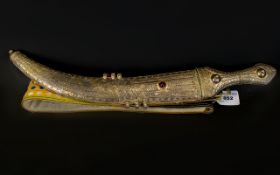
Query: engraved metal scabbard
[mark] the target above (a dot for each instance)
(184, 92)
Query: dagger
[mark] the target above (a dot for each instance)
(183, 92)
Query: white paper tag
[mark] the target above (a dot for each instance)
(229, 98)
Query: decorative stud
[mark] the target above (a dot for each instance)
(113, 76)
(119, 76)
(127, 104)
(261, 73)
(137, 104)
(105, 76)
(145, 104)
(216, 78)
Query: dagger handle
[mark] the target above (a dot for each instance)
(212, 81)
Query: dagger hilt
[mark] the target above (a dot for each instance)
(212, 81)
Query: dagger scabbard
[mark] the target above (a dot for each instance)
(181, 92)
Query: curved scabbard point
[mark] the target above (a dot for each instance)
(213, 81)
(65, 84)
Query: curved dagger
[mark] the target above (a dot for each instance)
(191, 86)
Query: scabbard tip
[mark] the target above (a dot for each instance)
(11, 51)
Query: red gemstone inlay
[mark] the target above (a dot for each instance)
(162, 84)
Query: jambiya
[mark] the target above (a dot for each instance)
(184, 92)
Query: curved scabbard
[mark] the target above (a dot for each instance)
(177, 88)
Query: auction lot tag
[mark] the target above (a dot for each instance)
(229, 98)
